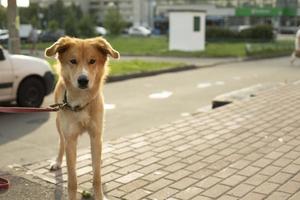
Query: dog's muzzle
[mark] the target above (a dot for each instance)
(83, 82)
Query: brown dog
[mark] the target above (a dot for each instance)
(83, 68)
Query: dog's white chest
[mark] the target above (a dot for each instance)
(83, 118)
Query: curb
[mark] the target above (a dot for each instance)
(242, 94)
(252, 58)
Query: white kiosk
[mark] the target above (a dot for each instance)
(187, 30)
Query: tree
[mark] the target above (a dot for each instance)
(53, 26)
(87, 26)
(3, 20)
(71, 26)
(113, 21)
(57, 12)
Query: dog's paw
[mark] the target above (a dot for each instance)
(55, 166)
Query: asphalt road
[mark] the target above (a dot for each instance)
(140, 104)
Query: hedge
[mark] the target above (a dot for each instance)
(256, 33)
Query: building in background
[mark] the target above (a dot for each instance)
(282, 14)
(136, 12)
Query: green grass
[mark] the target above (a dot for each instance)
(130, 67)
(270, 49)
(137, 66)
(158, 46)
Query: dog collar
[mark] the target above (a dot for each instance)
(66, 105)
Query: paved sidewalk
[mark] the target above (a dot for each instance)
(248, 150)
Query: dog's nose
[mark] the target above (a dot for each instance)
(83, 81)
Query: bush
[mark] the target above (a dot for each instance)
(259, 32)
(113, 21)
(218, 33)
(256, 33)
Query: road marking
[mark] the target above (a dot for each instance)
(219, 83)
(161, 95)
(109, 106)
(204, 85)
(185, 114)
(237, 78)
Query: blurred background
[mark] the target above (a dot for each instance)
(225, 19)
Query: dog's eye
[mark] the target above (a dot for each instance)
(92, 61)
(73, 61)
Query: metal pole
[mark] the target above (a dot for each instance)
(13, 27)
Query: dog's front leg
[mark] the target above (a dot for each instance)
(71, 143)
(96, 151)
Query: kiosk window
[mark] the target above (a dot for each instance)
(197, 23)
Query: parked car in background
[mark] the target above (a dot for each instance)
(100, 30)
(50, 36)
(24, 79)
(24, 31)
(139, 31)
(4, 36)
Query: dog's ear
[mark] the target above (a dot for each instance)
(103, 46)
(60, 46)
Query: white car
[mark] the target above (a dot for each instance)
(100, 30)
(24, 79)
(139, 31)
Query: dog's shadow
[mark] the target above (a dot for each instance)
(59, 193)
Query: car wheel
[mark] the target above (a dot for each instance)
(31, 93)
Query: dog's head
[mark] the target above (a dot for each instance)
(83, 61)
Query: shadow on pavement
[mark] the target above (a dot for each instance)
(14, 126)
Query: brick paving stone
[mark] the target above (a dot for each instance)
(201, 198)
(263, 162)
(183, 183)
(282, 162)
(296, 196)
(161, 183)
(163, 194)
(227, 197)
(296, 177)
(188, 193)
(156, 175)
(253, 196)
(108, 186)
(128, 169)
(216, 191)
(225, 173)
(208, 182)
(292, 169)
(278, 196)
(111, 176)
(201, 174)
(270, 170)
(150, 168)
(175, 167)
(134, 185)
(280, 178)
(129, 177)
(241, 190)
(249, 171)
(233, 180)
(136, 195)
(240, 164)
(266, 188)
(290, 187)
(126, 162)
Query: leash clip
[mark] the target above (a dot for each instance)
(58, 106)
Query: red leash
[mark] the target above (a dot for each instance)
(4, 184)
(51, 108)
